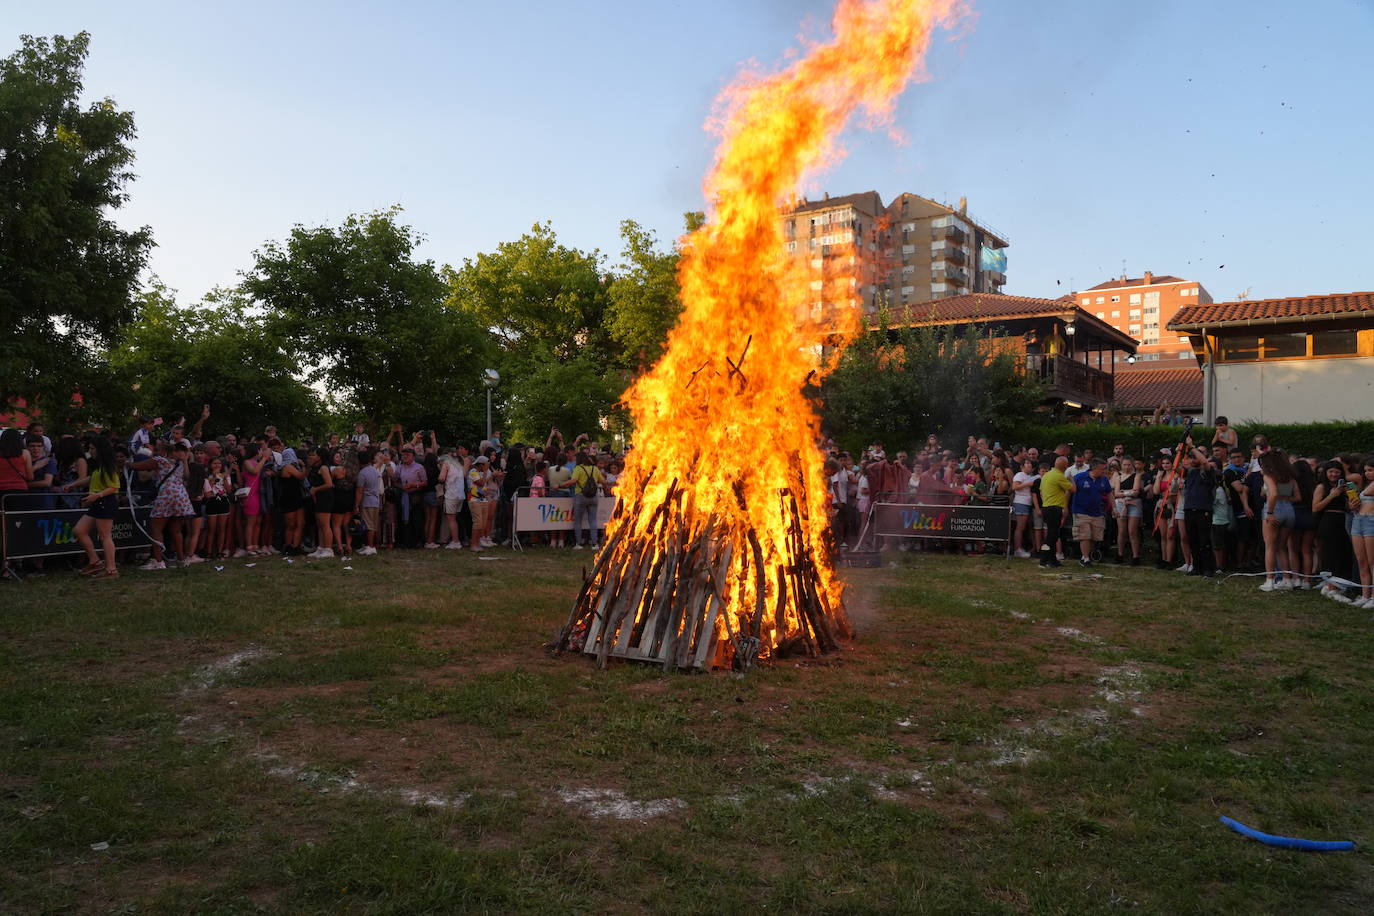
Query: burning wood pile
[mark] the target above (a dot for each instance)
(718, 554)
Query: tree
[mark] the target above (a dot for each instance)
(68, 274)
(170, 361)
(644, 303)
(898, 384)
(538, 296)
(366, 319)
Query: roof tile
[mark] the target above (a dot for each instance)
(1146, 389)
(1221, 313)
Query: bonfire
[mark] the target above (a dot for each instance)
(718, 554)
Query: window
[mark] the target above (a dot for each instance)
(1135, 313)
(1335, 343)
(1183, 292)
(1193, 291)
(1116, 314)
(1152, 326)
(1101, 299)
(1099, 314)
(1284, 346)
(1116, 298)
(1240, 349)
(1152, 311)
(1086, 301)
(1135, 330)
(1135, 298)
(1152, 299)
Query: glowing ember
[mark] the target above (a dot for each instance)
(718, 552)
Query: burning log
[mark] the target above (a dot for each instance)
(729, 561)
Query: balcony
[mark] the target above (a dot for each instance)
(948, 253)
(1069, 380)
(950, 233)
(945, 273)
(996, 278)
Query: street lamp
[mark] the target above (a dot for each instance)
(491, 378)
(1130, 358)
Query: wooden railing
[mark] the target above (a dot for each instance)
(1068, 379)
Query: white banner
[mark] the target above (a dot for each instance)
(555, 513)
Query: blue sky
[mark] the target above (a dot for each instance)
(1174, 135)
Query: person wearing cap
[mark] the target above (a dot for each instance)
(413, 480)
(480, 504)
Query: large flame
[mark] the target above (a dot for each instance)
(722, 425)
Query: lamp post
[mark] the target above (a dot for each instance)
(491, 378)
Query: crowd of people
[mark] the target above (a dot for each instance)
(223, 497)
(1208, 505)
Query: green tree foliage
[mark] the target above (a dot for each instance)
(548, 306)
(170, 361)
(540, 297)
(363, 317)
(899, 384)
(644, 298)
(68, 274)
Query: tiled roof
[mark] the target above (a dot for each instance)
(1295, 308)
(869, 201)
(976, 307)
(1136, 281)
(1146, 389)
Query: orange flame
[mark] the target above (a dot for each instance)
(722, 415)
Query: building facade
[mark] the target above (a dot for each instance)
(1296, 360)
(909, 251)
(1143, 307)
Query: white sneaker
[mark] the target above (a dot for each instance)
(367, 551)
(577, 547)
(322, 553)
(453, 545)
(431, 546)
(1284, 585)
(488, 542)
(1023, 554)
(193, 558)
(152, 565)
(1365, 603)
(1185, 568)
(1337, 595)
(1268, 586)
(1059, 557)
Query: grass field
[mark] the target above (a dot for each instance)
(394, 738)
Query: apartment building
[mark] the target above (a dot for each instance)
(909, 251)
(1143, 307)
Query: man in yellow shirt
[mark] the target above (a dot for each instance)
(1055, 487)
(587, 481)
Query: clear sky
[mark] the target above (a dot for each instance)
(1176, 136)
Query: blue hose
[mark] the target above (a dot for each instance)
(1288, 842)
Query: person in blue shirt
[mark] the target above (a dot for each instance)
(1093, 489)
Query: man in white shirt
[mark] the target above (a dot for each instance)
(453, 477)
(844, 484)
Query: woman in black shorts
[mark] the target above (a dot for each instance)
(291, 501)
(343, 499)
(219, 486)
(196, 476)
(322, 492)
(102, 504)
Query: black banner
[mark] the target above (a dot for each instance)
(964, 523)
(48, 532)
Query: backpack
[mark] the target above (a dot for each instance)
(589, 488)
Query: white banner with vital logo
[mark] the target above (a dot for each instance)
(555, 513)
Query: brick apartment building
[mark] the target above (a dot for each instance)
(909, 251)
(1143, 307)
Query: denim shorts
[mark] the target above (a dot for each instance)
(1132, 509)
(1021, 508)
(1362, 526)
(1284, 515)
